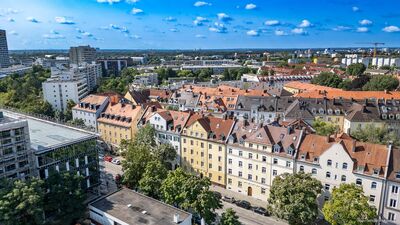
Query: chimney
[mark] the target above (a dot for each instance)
(113, 99)
(176, 218)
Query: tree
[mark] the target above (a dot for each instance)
(145, 136)
(68, 111)
(65, 198)
(229, 217)
(190, 192)
(327, 79)
(165, 153)
(381, 83)
(377, 135)
(356, 69)
(348, 205)
(136, 159)
(293, 197)
(153, 176)
(324, 128)
(21, 203)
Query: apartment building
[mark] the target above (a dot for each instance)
(146, 79)
(16, 155)
(90, 108)
(118, 122)
(340, 159)
(380, 61)
(91, 71)
(203, 148)
(257, 153)
(114, 66)
(391, 200)
(82, 54)
(361, 115)
(4, 57)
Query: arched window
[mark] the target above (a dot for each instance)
(344, 166)
(301, 169)
(359, 181)
(343, 178)
(373, 185)
(314, 171)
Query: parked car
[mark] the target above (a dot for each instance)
(243, 204)
(101, 157)
(260, 210)
(116, 161)
(228, 199)
(108, 158)
(217, 194)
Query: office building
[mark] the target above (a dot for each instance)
(81, 54)
(91, 71)
(127, 207)
(113, 67)
(4, 58)
(16, 159)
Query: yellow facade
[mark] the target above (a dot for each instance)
(337, 120)
(203, 156)
(114, 134)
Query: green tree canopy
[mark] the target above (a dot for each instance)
(377, 135)
(136, 159)
(349, 206)
(381, 83)
(293, 197)
(21, 203)
(356, 69)
(229, 217)
(324, 128)
(153, 176)
(327, 79)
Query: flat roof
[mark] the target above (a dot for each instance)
(44, 134)
(157, 212)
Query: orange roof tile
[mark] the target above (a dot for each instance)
(357, 95)
(120, 111)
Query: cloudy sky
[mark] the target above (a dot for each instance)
(188, 24)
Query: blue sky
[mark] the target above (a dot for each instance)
(205, 24)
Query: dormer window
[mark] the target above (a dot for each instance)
(330, 111)
(277, 148)
(360, 168)
(316, 159)
(337, 111)
(303, 156)
(398, 175)
(376, 171)
(259, 135)
(321, 111)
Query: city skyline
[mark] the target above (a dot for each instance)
(214, 24)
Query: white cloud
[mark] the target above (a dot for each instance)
(218, 28)
(200, 36)
(365, 22)
(53, 36)
(224, 17)
(201, 3)
(391, 29)
(299, 31)
(250, 6)
(87, 34)
(10, 19)
(33, 20)
(253, 33)
(355, 9)
(118, 28)
(135, 11)
(305, 23)
(109, 1)
(199, 21)
(174, 30)
(136, 36)
(131, 1)
(272, 22)
(63, 20)
(341, 28)
(362, 29)
(13, 32)
(170, 19)
(280, 33)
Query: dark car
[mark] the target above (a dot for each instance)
(260, 210)
(243, 204)
(228, 199)
(217, 194)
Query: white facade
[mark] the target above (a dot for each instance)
(146, 79)
(57, 92)
(354, 58)
(379, 62)
(89, 112)
(391, 212)
(92, 73)
(334, 167)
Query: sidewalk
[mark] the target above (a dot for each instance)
(238, 196)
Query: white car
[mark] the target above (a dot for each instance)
(116, 161)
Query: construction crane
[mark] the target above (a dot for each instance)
(376, 44)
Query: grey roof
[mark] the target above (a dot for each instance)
(156, 212)
(45, 135)
(263, 103)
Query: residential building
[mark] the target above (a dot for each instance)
(146, 79)
(297, 87)
(15, 69)
(256, 154)
(360, 115)
(127, 207)
(354, 58)
(81, 54)
(203, 148)
(16, 160)
(118, 122)
(338, 159)
(380, 61)
(90, 108)
(59, 148)
(391, 200)
(4, 57)
(62, 87)
(113, 66)
(90, 71)
(217, 69)
(48, 62)
(254, 108)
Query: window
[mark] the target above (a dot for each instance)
(220, 148)
(391, 216)
(314, 171)
(328, 174)
(184, 140)
(301, 169)
(395, 189)
(264, 158)
(373, 185)
(392, 203)
(240, 153)
(240, 163)
(263, 180)
(327, 187)
(344, 166)
(209, 165)
(274, 172)
(262, 190)
(229, 161)
(240, 174)
(210, 156)
(359, 181)
(288, 164)
(343, 178)
(275, 161)
(229, 181)
(219, 168)
(219, 158)
(201, 145)
(329, 163)
(372, 198)
(249, 176)
(239, 184)
(250, 155)
(210, 146)
(229, 150)
(263, 170)
(230, 171)
(250, 166)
